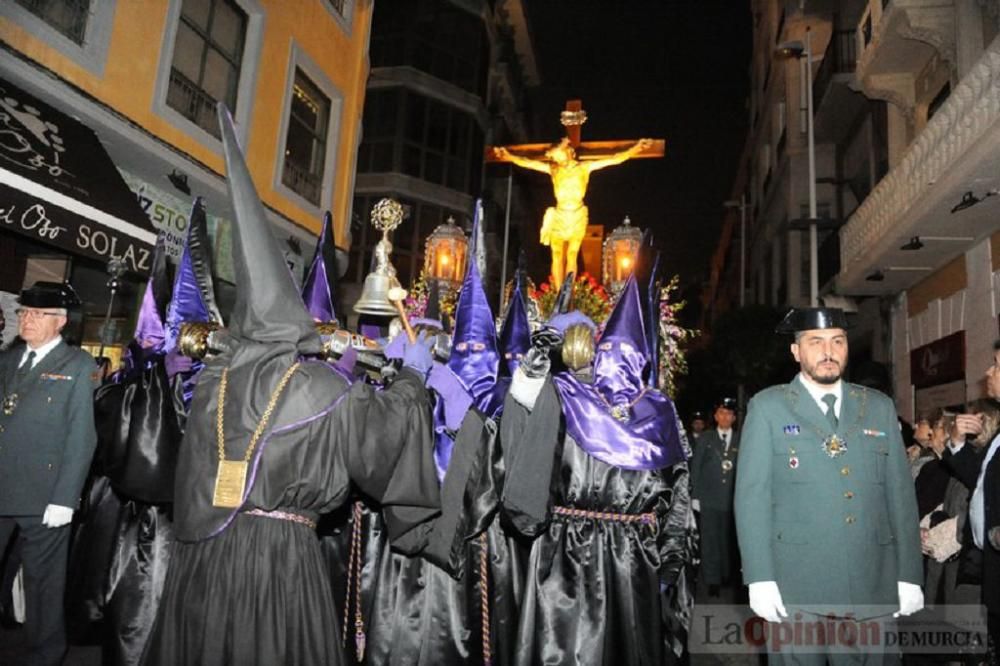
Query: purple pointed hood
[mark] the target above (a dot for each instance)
(621, 361)
(316, 291)
(150, 330)
(515, 336)
(187, 302)
(474, 356)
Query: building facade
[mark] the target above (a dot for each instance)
(905, 115)
(144, 77)
(448, 77)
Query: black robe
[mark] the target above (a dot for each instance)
(121, 549)
(597, 591)
(432, 610)
(254, 590)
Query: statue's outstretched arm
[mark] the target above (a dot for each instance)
(618, 158)
(501, 153)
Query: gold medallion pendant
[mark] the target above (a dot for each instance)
(620, 413)
(834, 446)
(9, 404)
(230, 483)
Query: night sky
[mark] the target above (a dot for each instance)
(673, 69)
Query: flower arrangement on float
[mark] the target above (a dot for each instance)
(589, 297)
(672, 361)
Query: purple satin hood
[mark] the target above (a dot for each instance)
(186, 302)
(649, 440)
(515, 336)
(316, 289)
(650, 437)
(474, 356)
(621, 361)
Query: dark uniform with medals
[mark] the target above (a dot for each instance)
(47, 440)
(825, 504)
(713, 479)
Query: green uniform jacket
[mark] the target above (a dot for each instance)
(711, 483)
(835, 533)
(48, 441)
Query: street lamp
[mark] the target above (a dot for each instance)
(796, 49)
(620, 250)
(445, 254)
(742, 205)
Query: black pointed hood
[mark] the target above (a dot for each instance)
(268, 306)
(564, 300)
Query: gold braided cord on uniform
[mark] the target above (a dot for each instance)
(272, 403)
(484, 597)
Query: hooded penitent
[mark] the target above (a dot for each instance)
(150, 331)
(515, 335)
(317, 291)
(193, 297)
(474, 356)
(618, 419)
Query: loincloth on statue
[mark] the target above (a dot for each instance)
(563, 225)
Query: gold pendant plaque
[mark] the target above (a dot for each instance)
(229, 484)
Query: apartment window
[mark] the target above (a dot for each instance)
(208, 52)
(69, 17)
(305, 143)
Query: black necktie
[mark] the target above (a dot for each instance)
(831, 414)
(25, 367)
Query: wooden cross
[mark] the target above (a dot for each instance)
(573, 118)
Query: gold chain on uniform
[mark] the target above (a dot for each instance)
(219, 423)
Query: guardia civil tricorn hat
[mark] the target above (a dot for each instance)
(810, 319)
(49, 295)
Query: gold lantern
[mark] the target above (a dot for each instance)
(618, 255)
(445, 254)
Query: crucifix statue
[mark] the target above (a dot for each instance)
(569, 163)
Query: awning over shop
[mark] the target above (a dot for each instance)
(58, 185)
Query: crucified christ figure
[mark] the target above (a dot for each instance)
(565, 224)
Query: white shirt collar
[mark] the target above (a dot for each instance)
(41, 352)
(727, 433)
(817, 392)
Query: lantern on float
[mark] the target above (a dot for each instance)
(445, 254)
(618, 255)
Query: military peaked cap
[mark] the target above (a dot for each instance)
(809, 319)
(727, 403)
(49, 295)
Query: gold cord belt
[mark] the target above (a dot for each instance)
(484, 597)
(354, 587)
(283, 515)
(607, 516)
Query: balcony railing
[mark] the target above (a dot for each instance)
(301, 181)
(192, 102)
(841, 57)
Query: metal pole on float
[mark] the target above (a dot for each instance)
(506, 234)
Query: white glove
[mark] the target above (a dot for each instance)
(696, 505)
(525, 389)
(765, 601)
(911, 599)
(57, 516)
